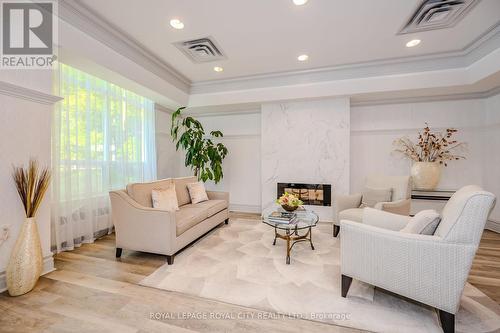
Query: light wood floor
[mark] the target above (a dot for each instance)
(91, 291)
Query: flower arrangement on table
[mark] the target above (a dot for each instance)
(289, 202)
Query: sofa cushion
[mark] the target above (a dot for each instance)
(424, 222)
(182, 190)
(211, 206)
(165, 199)
(372, 196)
(189, 216)
(141, 192)
(197, 192)
(353, 214)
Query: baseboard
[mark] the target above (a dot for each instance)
(493, 226)
(245, 208)
(48, 266)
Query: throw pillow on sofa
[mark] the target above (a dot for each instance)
(424, 222)
(372, 196)
(197, 192)
(165, 199)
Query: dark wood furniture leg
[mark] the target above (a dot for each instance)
(346, 283)
(170, 260)
(447, 321)
(336, 230)
(226, 221)
(118, 252)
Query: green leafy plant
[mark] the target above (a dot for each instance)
(203, 156)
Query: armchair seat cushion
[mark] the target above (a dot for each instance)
(212, 207)
(188, 216)
(352, 214)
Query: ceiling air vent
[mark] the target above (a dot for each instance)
(201, 50)
(437, 14)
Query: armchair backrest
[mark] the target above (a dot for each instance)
(401, 185)
(465, 214)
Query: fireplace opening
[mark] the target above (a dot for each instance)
(310, 194)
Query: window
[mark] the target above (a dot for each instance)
(103, 139)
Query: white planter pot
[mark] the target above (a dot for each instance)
(425, 175)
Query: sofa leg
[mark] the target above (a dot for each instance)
(170, 259)
(336, 230)
(447, 321)
(118, 252)
(226, 221)
(346, 283)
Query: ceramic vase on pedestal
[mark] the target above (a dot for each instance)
(25, 264)
(426, 175)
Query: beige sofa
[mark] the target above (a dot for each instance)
(140, 227)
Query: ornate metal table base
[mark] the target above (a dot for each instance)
(292, 237)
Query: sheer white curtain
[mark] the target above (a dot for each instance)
(103, 138)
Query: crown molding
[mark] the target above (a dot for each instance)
(90, 22)
(161, 108)
(425, 99)
(28, 94)
(477, 49)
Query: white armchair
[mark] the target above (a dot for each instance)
(430, 269)
(347, 206)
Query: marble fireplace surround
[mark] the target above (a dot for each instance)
(305, 142)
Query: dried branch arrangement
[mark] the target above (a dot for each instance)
(431, 147)
(31, 185)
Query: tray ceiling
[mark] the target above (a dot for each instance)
(262, 37)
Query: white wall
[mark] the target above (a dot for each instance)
(25, 132)
(491, 149)
(167, 159)
(374, 128)
(306, 142)
(242, 164)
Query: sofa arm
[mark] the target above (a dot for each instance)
(383, 219)
(423, 268)
(142, 228)
(218, 195)
(343, 202)
(401, 207)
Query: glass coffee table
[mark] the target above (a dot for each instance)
(306, 220)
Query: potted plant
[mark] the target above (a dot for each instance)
(430, 153)
(203, 156)
(25, 264)
(289, 202)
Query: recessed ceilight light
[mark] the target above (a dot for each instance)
(302, 57)
(176, 24)
(218, 69)
(413, 42)
(299, 2)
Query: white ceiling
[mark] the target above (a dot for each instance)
(266, 36)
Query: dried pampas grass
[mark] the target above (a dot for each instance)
(31, 185)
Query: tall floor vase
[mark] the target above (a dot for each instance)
(25, 264)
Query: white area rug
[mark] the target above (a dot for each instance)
(238, 264)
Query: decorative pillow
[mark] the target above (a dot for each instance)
(371, 196)
(424, 222)
(165, 199)
(197, 192)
